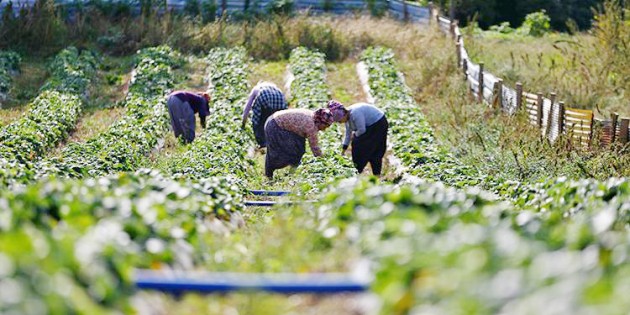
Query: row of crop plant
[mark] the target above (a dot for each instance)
(310, 90)
(126, 143)
(70, 246)
(410, 133)
(447, 251)
(9, 65)
(221, 150)
(50, 117)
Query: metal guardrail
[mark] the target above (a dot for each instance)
(396, 8)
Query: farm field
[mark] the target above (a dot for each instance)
(474, 214)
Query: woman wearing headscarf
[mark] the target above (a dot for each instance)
(286, 132)
(264, 100)
(367, 126)
(182, 107)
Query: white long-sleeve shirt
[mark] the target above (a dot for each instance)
(362, 115)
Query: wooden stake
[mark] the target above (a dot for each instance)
(539, 110)
(499, 93)
(625, 126)
(613, 128)
(480, 80)
(458, 47)
(590, 134)
(431, 12)
(465, 68)
(560, 118)
(519, 96)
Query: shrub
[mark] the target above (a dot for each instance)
(503, 28)
(536, 23)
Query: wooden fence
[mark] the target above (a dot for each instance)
(551, 116)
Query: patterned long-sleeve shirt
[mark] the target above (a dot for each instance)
(268, 94)
(299, 121)
(362, 115)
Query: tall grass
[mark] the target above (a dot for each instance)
(503, 148)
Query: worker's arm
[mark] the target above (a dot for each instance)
(313, 143)
(346, 140)
(248, 106)
(203, 121)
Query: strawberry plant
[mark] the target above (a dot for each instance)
(452, 251)
(9, 63)
(123, 146)
(309, 89)
(65, 250)
(51, 116)
(221, 149)
(414, 142)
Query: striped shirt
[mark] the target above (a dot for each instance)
(299, 121)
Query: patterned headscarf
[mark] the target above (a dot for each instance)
(323, 118)
(337, 109)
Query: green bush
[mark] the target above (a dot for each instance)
(536, 24)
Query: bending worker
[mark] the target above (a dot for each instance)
(367, 126)
(182, 107)
(264, 100)
(287, 131)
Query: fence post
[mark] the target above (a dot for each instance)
(452, 28)
(437, 18)
(539, 109)
(560, 118)
(498, 90)
(613, 128)
(480, 80)
(590, 134)
(405, 11)
(552, 98)
(519, 96)
(430, 13)
(458, 47)
(223, 7)
(465, 68)
(623, 135)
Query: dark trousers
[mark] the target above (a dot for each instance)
(259, 128)
(182, 119)
(370, 147)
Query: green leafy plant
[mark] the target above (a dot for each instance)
(89, 240)
(123, 146)
(414, 141)
(309, 90)
(51, 116)
(536, 24)
(222, 148)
